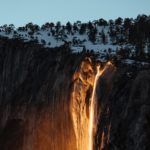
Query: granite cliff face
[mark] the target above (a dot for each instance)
(34, 97)
(130, 112)
(45, 101)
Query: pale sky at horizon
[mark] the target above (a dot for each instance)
(21, 12)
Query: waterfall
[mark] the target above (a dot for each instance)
(93, 119)
(83, 103)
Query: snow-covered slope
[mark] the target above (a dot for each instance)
(129, 39)
(76, 40)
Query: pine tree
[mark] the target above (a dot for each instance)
(92, 35)
(75, 27)
(69, 27)
(118, 21)
(58, 26)
(104, 38)
(43, 41)
(90, 26)
(82, 29)
(140, 50)
(102, 22)
(127, 23)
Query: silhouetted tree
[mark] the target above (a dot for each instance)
(75, 27)
(69, 27)
(58, 26)
(90, 26)
(43, 41)
(118, 21)
(21, 29)
(127, 23)
(52, 25)
(102, 22)
(92, 35)
(140, 50)
(82, 29)
(111, 22)
(9, 29)
(31, 27)
(104, 38)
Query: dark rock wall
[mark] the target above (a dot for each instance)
(130, 112)
(35, 85)
(102, 107)
(124, 122)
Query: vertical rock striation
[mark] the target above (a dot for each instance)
(35, 96)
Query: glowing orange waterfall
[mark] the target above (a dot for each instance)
(92, 121)
(92, 106)
(83, 103)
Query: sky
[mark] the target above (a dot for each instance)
(21, 12)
